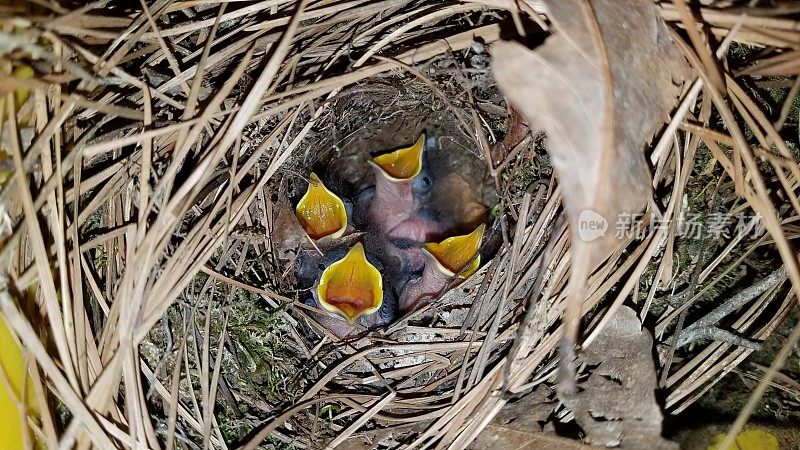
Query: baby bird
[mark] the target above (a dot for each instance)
(330, 261)
(412, 205)
(416, 198)
(453, 259)
(398, 204)
(319, 217)
(321, 213)
(349, 288)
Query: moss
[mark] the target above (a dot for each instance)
(260, 359)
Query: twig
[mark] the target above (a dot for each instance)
(701, 328)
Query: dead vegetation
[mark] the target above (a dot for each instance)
(147, 143)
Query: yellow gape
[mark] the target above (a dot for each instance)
(320, 212)
(403, 164)
(351, 286)
(453, 254)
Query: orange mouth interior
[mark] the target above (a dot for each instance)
(402, 164)
(458, 254)
(352, 286)
(320, 212)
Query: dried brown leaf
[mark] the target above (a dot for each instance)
(599, 87)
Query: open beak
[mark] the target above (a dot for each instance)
(455, 256)
(458, 255)
(320, 212)
(351, 286)
(403, 164)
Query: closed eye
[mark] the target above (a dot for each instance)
(422, 183)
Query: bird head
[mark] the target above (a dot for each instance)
(350, 287)
(321, 213)
(457, 255)
(453, 257)
(402, 189)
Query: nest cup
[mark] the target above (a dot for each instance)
(341, 160)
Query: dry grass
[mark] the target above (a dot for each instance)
(156, 138)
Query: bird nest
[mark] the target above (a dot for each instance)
(141, 202)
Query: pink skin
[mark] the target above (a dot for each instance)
(338, 326)
(394, 208)
(342, 328)
(392, 203)
(425, 288)
(417, 228)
